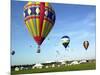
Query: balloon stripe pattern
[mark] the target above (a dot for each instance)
(39, 18)
(86, 44)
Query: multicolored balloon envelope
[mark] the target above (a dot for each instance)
(65, 41)
(86, 44)
(39, 19)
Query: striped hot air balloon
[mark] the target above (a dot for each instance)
(39, 18)
(86, 44)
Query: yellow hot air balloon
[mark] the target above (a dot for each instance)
(39, 18)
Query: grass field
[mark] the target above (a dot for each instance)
(85, 66)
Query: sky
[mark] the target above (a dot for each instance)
(76, 21)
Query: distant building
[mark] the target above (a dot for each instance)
(38, 66)
(82, 61)
(74, 63)
(58, 65)
(63, 62)
(47, 67)
(21, 68)
(16, 69)
(53, 65)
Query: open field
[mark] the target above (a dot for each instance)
(83, 66)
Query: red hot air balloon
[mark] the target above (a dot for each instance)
(86, 44)
(39, 19)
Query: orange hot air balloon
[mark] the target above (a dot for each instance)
(39, 18)
(86, 44)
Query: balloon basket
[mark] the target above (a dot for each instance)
(38, 50)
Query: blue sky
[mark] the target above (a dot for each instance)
(76, 21)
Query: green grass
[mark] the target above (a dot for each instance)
(85, 66)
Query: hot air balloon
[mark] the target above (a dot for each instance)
(65, 41)
(13, 52)
(39, 19)
(86, 44)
